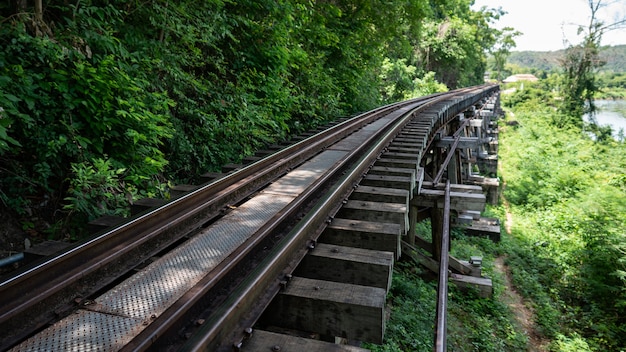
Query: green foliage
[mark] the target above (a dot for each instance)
(97, 189)
(169, 90)
(412, 301)
(569, 207)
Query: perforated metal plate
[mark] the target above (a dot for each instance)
(295, 182)
(85, 331)
(123, 312)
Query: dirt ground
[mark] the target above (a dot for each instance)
(524, 314)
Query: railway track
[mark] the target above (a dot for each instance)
(301, 240)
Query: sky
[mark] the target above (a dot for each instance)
(546, 23)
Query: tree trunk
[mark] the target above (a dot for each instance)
(39, 11)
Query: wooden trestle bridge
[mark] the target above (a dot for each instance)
(293, 250)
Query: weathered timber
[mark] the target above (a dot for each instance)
(418, 257)
(399, 182)
(270, 341)
(44, 249)
(399, 155)
(363, 234)
(392, 171)
(104, 222)
(179, 190)
(376, 211)
(330, 308)
(144, 204)
(251, 159)
(399, 163)
(231, 167)
(381, 194)
(458, 200)
(483, 285)
(463, 267)
(210, 176)
(464, 142)
(348, 265)
(456, 187)
(484, 227)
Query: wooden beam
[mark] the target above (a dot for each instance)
(363, 234)
(414, 253)
(458, 200)
(271, 341)
(381, 194)
(375, 211)
(464, 142)
(483, 285)
(349, 265)
(455, 187)
(330, 308)
(399, 182)
(400, 163)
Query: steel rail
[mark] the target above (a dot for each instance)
(176, 219)
(272, 272)
(442, 285)
(291, 250)
(42, 287)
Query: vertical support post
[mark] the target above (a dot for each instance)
(436, 224)
(412, 224)
(442, 288)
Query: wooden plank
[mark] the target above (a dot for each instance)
(408, 156)
(463, 267)
(104, 222)
(392, 171)
(396, 213)
(144, 204)
(483, 285)
(464, 142)
(484, 227)
(349, 265)
(44, 249)
(414, 253)
(363, 234)
(231, 167)
(179, 190)
(270, 341)
(399, 182)
(456, 188)
(399, 163)
(381, 194)
(458, 201)
(330, 308)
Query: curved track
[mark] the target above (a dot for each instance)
(208, 263)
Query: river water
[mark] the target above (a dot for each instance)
(613, 113)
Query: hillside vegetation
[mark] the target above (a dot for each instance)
(106, 101)
(613, 56)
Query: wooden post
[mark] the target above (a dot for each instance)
(412, 225)
(436, 223)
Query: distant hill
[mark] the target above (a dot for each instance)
(615, 57)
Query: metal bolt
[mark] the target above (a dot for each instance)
(248, 332)
(237, 346)
(317, 288)
(335, 250)
(288, 277)
(276, 348)
(199, 321)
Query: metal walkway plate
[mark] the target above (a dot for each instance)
(120, 314)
